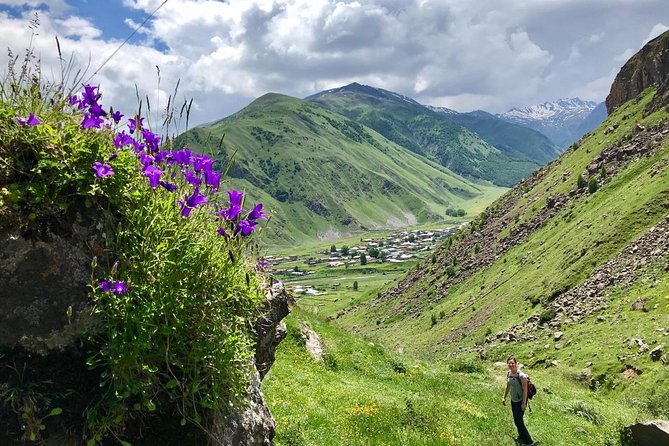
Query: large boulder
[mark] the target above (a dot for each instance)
(651, 433)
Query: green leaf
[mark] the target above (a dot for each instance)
(125, 443)
(55, 411)
(172, 383)
(183, 422)
(91, 442)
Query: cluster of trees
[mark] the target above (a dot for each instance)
(451, 212)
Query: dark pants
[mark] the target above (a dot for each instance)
(518, 413)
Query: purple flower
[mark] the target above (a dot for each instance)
(113, 156)
(74, 100)
(105, 285)
(90, 96)
(169, 186)
(145, 159)
(91, 121)
(230, 213)
(153, 173)
(192, 178)
(236, 197)
(123, 139)
(246, 227)
(160, 157)
(182, 156)
(202, 162)
(30, 121)
(192, 202)
(116, 115)
(96, 110)
(102, 170)
(222, 232)
(257, 212)
(119, 288)
(151, 139)
(212, 178)
(134, 125)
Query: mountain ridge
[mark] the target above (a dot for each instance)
(563, 121)
(321, 173)
(426, 132)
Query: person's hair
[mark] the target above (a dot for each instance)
(510, 358)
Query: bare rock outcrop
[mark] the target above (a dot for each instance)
(647, 68)
(651, 433)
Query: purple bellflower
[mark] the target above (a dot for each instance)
(30, 121)
(102, 170)
(169, 186)
(105, 285)
(245, 227)
(119, 288)
(192, 202)
(153, 173)
(134, 125)
(257, 213)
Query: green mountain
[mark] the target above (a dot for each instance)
(569, 269)
(514, 140)
(427, 132)
(322, 175)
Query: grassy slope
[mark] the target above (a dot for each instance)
(321, 175)
(364, 394)
(514, 140)
(426, 132)
(499, 297)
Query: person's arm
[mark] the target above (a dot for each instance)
(523, 382)
(506, 392)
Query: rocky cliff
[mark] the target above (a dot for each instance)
(647, 68)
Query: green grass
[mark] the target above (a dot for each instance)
(364, 394)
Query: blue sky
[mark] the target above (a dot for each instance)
(476, 54)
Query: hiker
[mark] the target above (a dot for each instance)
(516, 385)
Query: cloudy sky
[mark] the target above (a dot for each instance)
(474, 54)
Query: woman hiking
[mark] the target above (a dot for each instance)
(516, 384)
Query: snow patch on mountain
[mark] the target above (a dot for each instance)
(562, 109)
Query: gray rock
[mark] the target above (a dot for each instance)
(313, 342)
(557, 335)
(656, 353)
(650, 433)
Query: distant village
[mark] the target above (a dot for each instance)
(398, 247)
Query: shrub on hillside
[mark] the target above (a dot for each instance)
(592, 186)
(585, 410)
(580, 182)
(547, 315)
(466, 365)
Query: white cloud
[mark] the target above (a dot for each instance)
(656, 31)
(458, 54)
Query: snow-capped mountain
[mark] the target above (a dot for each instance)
(560, 120)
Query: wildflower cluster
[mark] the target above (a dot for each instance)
(176, 171)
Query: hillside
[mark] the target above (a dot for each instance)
(563, 121)
(323, 175)
(516, 141)
(575, 253)
(427, 132)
